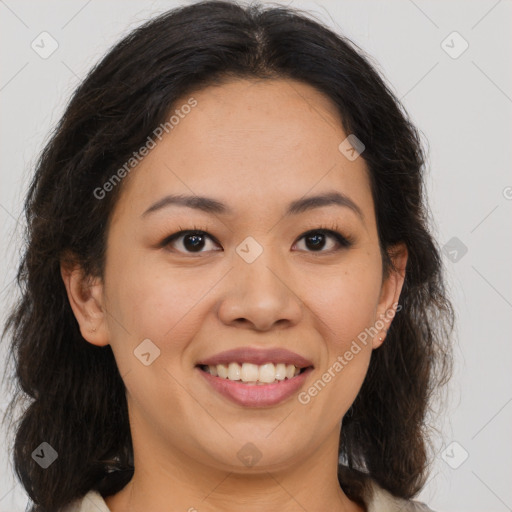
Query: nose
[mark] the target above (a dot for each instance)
(260, 295)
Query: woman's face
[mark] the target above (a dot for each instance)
(253, 280)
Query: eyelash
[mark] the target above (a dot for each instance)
(333, 230)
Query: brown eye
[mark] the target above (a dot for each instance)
(316, 240)
(191, 241)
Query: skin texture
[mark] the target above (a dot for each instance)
(256, 146)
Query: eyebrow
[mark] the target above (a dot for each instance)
(210, 205)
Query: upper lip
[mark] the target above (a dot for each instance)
(257, 356)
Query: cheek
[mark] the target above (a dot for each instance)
(147, 303)
(345, 302)
(149, 299)
(344, 307)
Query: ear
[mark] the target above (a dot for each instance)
(85, 295)
(390, 293)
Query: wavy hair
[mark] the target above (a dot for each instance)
(76, 397)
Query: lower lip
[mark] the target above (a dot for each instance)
(256, 395)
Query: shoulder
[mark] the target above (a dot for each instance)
(91, 502)
(378, 499)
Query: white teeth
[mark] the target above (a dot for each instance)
(234, 371)
(222, 371)
(252, 373)
(280, 371)
(249, 372)
(268, 373)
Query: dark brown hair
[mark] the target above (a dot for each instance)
(76, 396)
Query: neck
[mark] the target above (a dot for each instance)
(173, 481)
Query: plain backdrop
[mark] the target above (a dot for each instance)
(460, 99)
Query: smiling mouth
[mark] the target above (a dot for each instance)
(249, 373)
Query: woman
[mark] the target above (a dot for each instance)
(230, 295)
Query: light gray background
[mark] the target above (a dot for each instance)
(462, 106)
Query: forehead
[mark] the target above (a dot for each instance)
(250, 143)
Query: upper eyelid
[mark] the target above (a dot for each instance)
(185, 232)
